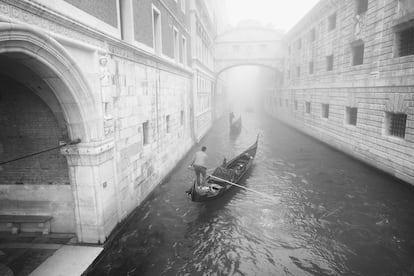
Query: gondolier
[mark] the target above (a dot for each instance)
(199, 165)
(225, 176)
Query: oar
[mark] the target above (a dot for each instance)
(237, 185)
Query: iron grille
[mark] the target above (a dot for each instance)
(397, 124)
(352, 113)
(406, 40)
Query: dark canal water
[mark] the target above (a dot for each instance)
(331, 215)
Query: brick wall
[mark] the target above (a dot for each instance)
(27, 125)
(105, 10)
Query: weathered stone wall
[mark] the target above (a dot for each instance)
(384, 82)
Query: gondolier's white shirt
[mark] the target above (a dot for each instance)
(200, 159)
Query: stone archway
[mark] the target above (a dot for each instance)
(43, 66)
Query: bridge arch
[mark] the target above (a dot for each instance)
(249, 44)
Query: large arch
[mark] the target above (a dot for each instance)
(38, 62)
(50, 66)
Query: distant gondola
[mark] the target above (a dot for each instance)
(233, 171)
(236, 125)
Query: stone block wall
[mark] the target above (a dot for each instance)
(383, 83)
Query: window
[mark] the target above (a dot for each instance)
(308, 107)
(299, 43)
(167, 123)
(358, 54)
(395, 124)
(184, 50)
(325, 110)
(280, 102)
(329, 63)
(362, 6)
(351, 115)
(287, 102)
(145, 133)
(289, 50)
(176, 45)
(236, 48)
(296, 105)
(405, 40)
(156, 29)
(298, 71)
(312, 35)
(332, 22)
(182, 117)
(183, 5)
(310, 67)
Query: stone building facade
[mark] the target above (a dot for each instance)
(349, 80)
(203, 31)
(115, 74)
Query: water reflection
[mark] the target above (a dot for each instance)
(329, 215)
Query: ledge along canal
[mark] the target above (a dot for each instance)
(331, 215)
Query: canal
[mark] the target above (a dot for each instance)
(330, 215)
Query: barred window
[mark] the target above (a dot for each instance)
(332, 22)
(308, 107)
(325, 110)
(329, 63)
(406, 42)
(396, 123)
(358, 54)
(351, 115)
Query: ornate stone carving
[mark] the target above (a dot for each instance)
(359, 24)
(106, 94)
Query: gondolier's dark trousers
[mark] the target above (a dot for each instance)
(200, 170)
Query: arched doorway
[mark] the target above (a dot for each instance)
(45, 100)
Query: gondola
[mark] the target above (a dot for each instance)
(232, 171)
(236, 125)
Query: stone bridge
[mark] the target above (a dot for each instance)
(249, 45)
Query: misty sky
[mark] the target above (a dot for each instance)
(282, 14)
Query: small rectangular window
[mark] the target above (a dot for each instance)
(296, 105)
(299, 43)
(156, 30)
(280, 102)
(287, 102)
(312, 35)
(236, 48)
(182, 117)
(332, 22)
(325, 110)
(145, 133)
(298, 71)
(329, 63)
(310, 67)
(167, 123)
(405, 40)
(396, 124)
(358, 54)
(362, 6)
(184, 50)
(308, 107)
(176, 45)
(351, 115)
